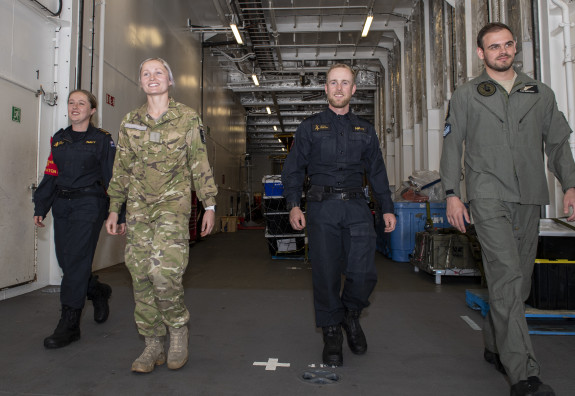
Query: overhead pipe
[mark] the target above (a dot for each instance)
(568, 61)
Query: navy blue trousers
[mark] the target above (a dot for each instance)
(77, 225)
(341, 242)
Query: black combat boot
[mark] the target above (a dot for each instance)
(333, 340)
(68, 329)
(355, 337)
(99, 293)
(532, 386)
(493, 358)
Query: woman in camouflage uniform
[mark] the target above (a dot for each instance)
(161, 156)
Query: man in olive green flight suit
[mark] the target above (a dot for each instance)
(505, 118)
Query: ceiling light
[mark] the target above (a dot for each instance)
(275, 128)
(236, 33)
(255, 78)
(268, 109)
(367, 24)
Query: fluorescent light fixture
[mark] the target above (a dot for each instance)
(268, 110)
(255, 78)
(367, 24)
(275, 128)
(236, 33)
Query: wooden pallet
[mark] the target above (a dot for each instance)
(539, 321)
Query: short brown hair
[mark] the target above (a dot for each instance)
(491, 27)
(338, 66)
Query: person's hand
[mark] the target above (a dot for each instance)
(208, 222)
(390, 221)
(38, 221)
(457, 213)
(112, 224)
(297, 218)
(121, 229)
(569, 202)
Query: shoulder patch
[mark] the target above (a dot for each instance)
(486, 88)
(202, 134)
(446, 129)
(321, 127)
(105, 132)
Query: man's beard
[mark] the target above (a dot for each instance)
(500, 67)
(338, 104)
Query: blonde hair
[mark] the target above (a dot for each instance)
(164, 63)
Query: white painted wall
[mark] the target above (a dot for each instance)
(133, 31)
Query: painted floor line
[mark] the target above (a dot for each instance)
(470, 322)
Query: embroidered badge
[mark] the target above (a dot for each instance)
(59, 143)
(529, 89)
(155, 137)
(51, 168)
(486, 89)
(321, 127)
(446, 129)
(112, 144)
(202, 134)
(90, 142)
(135, 126)
(358, 128)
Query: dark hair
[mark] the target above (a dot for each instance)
(491, 27)
(340, 66)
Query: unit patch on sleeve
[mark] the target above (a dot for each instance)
(202, 134)
(321, 127)
(447, 129)
(486, 88)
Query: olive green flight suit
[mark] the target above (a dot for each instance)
(505, 138)
(156, 165)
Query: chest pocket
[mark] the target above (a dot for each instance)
(87, 155)
(166, 149)
(358, 141)
(324, 146)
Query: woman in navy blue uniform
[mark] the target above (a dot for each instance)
(74, 187)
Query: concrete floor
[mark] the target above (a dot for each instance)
(246, 308)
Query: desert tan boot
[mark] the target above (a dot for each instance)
(178, 352)
(152, 356)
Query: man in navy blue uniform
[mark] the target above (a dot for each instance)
(336, 149)
(74, 187)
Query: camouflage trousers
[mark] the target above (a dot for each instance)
(157, 256)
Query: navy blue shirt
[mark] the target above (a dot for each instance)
(336, 151)
(80, 160)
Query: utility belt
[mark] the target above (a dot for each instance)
(73, 193)
(323, 193)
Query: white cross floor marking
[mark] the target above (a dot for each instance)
(271, 364)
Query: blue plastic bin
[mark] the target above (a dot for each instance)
(411, 217)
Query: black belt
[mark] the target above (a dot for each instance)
(320, 193)
(79, 193)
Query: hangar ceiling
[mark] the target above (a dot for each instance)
(289, 45)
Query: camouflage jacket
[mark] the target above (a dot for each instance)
(157, 162)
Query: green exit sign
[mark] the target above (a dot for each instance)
(16, 114)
